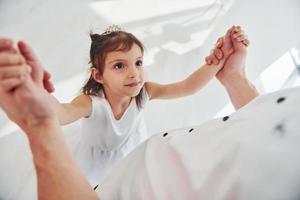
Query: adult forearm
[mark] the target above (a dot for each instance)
(240, 90)
(58, 175)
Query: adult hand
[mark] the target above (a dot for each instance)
(235, 63)
(23, 96)
(222, 50)
(232, 76)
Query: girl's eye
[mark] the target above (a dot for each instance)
(118, 66)
(139, 63)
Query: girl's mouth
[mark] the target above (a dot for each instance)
(133, 84)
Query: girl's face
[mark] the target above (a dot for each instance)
(123, 73)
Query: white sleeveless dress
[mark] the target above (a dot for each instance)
(104, 140)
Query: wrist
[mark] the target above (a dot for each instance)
(231, 79)
(240, 85)
(236, 83)
(213, 68)
(44, 137)
(34, 127)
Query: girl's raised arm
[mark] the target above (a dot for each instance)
(189, 86)
(79, 107)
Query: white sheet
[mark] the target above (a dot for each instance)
(254, 154)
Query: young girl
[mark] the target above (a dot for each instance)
(113, 100)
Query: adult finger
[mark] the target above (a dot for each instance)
(48, 85)
(5, 44)
(9, 84)
(235, 31)
(12, 50)
(47, 75)
(241, 38)
(246, 42)
(32, 60)
(219, 43)
(237, 34)
(228, 32)
(14, 71)
(7, 58)
(237, 27)
(27, 51)
(218, 54)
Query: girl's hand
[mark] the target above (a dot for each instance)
(225, 47)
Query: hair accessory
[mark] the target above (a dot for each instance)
(111, 29)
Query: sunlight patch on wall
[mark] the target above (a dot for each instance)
(274, 77)
(124, 11)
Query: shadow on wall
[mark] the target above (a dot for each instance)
(174, 49)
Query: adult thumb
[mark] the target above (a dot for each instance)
(26, 51)
(32, 60)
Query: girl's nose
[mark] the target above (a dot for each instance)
(132, 72)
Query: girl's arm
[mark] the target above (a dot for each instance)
(79, 107)
(189, 86)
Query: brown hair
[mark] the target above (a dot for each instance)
(101, 45)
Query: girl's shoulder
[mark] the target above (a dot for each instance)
(94, 100)
(82, 101)
(146, 94)
(88, 103)
(149, 90)
(83, 98)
